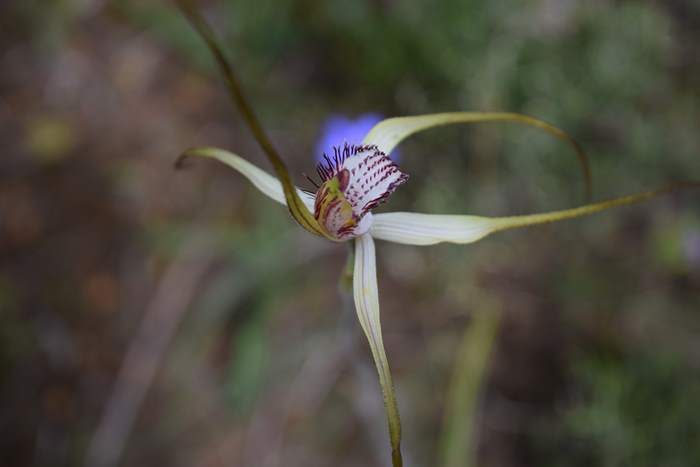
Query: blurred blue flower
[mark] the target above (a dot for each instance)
(339, 130)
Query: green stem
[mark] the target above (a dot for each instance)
(457, 443)
(511, 222)
(294, 203)
(345, 280)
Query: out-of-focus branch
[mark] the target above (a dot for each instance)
(144, 356)
(457, 446)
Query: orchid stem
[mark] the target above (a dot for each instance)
(233, 84)
(345, 280)
(296, 207)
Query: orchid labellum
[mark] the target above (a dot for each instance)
(358, 177)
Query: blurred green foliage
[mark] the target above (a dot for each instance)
(634, 409)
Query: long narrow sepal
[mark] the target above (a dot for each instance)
(296, 206)
(390, 132)
(367, 306)
(428, 229)
(262, 180)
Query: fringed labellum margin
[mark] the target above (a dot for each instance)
(356, 180)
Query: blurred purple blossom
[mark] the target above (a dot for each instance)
(339, 129)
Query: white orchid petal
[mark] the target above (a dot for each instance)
(367, 305)
(262, 180)
(427, 229)
(306, 198)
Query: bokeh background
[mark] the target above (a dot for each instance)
(234, 344)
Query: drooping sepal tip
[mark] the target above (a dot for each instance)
(388, 133)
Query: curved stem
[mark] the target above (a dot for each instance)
(296, 207)
(390, 132)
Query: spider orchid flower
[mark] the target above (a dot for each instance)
(360, 176)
